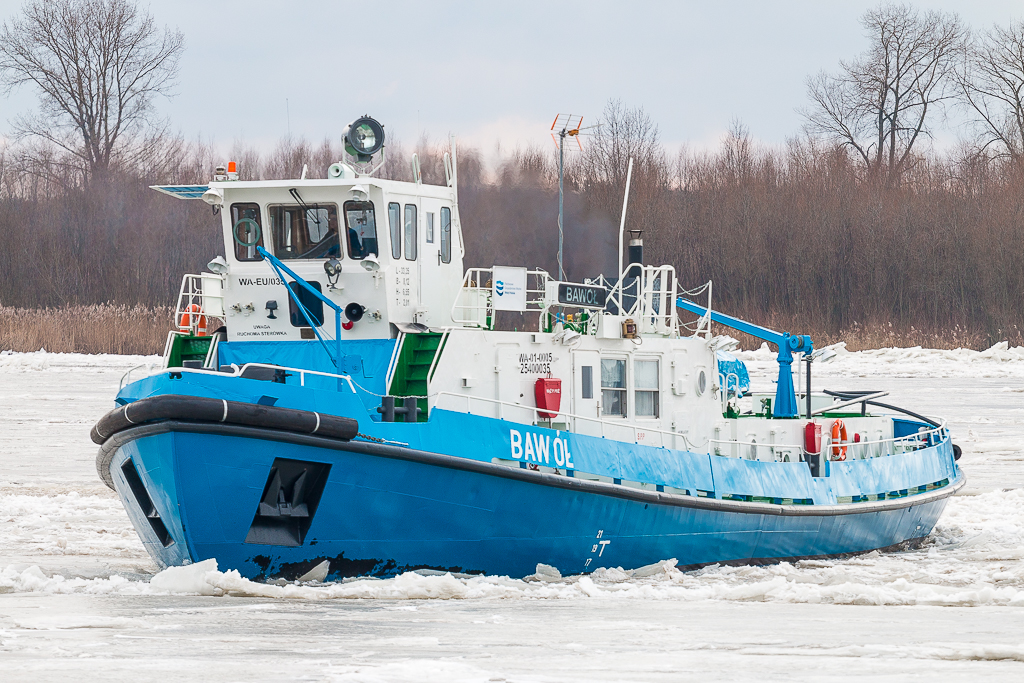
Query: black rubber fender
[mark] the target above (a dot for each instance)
(205, 409)
(957, 452)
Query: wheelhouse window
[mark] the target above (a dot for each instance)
(246, 230)
(395, 226)
(410, 232)
(305, 232)
(446, 235)
(430, 227)
(361, 228)
(613, 387)
(645, 388)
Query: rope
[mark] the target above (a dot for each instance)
(376, 439)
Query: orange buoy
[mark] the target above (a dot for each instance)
(839, 437)
(193, 318)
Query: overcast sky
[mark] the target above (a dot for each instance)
(500, 71)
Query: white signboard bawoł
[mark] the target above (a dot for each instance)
(508, 288)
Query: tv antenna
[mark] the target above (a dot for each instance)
(565, 126)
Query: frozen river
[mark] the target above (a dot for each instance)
(76, 596)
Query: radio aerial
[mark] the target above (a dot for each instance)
(565, 126)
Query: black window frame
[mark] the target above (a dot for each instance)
(314, 252)
(410, 229)
(363, 252)
(395, 227)
(446, 235)
(240, 249)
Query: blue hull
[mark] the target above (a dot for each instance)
(389, 509)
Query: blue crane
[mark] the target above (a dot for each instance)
(788, 344)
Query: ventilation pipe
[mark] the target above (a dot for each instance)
(636, 251)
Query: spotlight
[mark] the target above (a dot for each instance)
(364, 137)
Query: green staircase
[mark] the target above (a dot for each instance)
(187, 347)
(411, 372)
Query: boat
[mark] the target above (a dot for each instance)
(363, 410)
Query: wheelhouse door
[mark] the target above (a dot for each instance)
(432, 283)
(586, 392)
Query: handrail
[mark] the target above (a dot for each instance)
(487, 307)
(843, 404)
(302, 373)
(437, 354)
(652, 318)
(827, 443)
(393, 361)
(191, 292)
(532, 409)
(237, 371)
(724, 383)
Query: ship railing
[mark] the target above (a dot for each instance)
(607, 428)
(473, 306)
(723, 382)
(864, 449)
(655, 294)
(235, 371)
(748, 450)
(200, 296)
(703, 324)
(147, 368)
(301, 372)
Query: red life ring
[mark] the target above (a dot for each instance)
(193, 315)
(839, 437)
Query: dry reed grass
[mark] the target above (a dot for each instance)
(881, 335)
(110, 328)
(105, 328)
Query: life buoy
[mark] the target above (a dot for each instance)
(193, 314)
(839, 440)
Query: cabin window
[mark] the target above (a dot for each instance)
(587, 380)
(430, 227)
(246, 230)
(446, 235)
(645, 388)
(395, 225)
(361, 228)
(304, 232)
(613, 387)
(410, 232)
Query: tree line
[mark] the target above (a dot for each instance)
(857, 219)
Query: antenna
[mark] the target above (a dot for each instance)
(565, 125)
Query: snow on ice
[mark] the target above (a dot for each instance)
(71, 566)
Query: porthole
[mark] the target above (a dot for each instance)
(702, 383)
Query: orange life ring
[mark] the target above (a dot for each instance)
(839, 437)
(193, 313)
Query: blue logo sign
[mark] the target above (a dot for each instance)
(499, 287)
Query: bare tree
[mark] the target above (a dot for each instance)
(880, 104)
(993, 87)
(97, 65)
